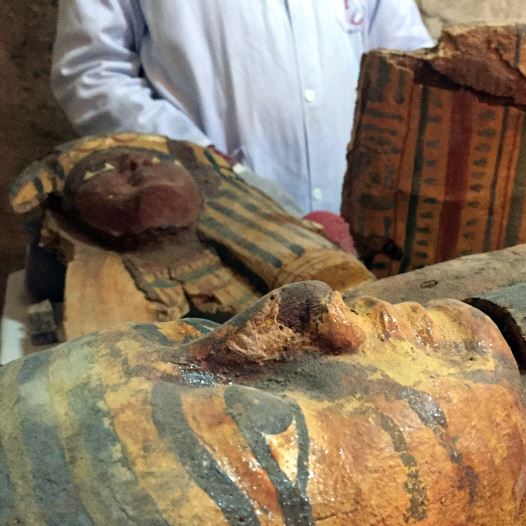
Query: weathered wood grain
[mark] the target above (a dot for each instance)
(459, 279)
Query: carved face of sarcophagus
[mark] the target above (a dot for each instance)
(300, 410)
(171, 227)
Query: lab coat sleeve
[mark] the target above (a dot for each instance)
(96, 73)
(397, 24)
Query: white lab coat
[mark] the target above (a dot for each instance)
(270, 82)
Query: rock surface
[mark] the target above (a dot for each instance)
(437, 13)
(31, 122)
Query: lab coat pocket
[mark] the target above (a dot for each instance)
(351, 15)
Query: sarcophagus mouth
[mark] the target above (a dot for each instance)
(436, 162)
(299, 408)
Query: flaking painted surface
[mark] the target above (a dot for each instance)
(372, 414)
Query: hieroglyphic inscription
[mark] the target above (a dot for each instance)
(436, 170)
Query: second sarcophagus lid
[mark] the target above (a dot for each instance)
(169, 226)
(437, 163)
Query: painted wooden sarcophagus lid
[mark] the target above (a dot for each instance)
(437, 162)
(298, 411)
(171, 227)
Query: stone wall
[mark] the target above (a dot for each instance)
(31, 123)
(436, 13)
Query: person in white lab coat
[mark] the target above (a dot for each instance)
(269, 82)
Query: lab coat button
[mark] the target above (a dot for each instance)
(317, 194)
(310, 95)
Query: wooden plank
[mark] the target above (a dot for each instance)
(458, 279)
(100, 293)
(42, 326)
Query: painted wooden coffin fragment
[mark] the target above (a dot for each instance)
(195, 238)
(437, 162)
(298, 411)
